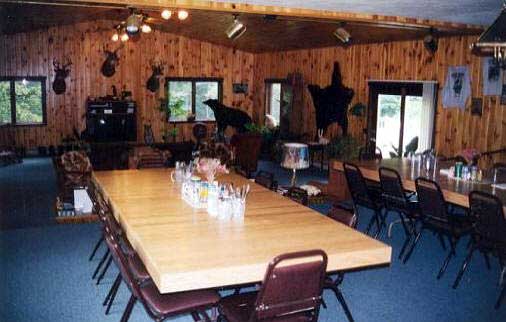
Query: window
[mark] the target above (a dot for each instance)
(186, 96)
(401, 118)
(23, 100)
(273, 99)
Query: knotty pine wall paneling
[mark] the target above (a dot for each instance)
(31, 54)
(407, 60)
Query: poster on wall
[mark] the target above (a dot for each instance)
(457, 87)
(492, 76)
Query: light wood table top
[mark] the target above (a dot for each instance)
(455, 191)
(186, 249)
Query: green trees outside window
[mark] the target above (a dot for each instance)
(22, 101)
(186, 97)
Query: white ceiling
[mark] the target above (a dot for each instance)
(480, 12)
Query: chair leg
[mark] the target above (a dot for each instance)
(405, 245)
(369, 225)
(380, 222)
(389, 233)
(487, 260)
(128, 309)
(101, 276)
(417, 238)
(97, 245)
(501, 278)
(501, 297)
(342, 301)
(447, 259)
(442, 241)
(463, 268)
(113, 296)
(114, 285)
(102, 260)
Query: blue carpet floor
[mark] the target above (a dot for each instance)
(45, 274)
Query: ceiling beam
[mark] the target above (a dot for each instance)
(393, 21)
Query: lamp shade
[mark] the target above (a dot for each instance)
(295, 156)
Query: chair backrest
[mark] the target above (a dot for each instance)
(292, 287)
(489, 214)
(431, 200)
(298, 195)
(344, 217)
(122, 262)
(392, 189)
(356, 185)
(265, 178)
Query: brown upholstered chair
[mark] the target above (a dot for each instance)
(289, 291)
(247, 151)
(159, 306)
(266, 179)
(434, 216)
(349, 219)
(489, 235)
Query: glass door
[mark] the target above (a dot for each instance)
(397, 120)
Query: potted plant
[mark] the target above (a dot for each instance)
(343, 148)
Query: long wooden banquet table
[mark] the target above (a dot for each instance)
(186, 249)
(455, 191)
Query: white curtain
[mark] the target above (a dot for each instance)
(427, 119)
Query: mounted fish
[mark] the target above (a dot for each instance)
(153, 83)
(111, 61)
(62, 72)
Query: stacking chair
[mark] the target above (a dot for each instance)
(350, 220)
(434, 216)
(266, 179)
(364, 196)
(291, 291)
(395, 199)
(159, 306)
(489, 235)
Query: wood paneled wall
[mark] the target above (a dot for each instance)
(408, 60)
(31, 54)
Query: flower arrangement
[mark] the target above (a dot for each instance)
(210, 167)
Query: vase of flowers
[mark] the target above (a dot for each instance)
(210, 168)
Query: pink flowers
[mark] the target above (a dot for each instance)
(210, 167)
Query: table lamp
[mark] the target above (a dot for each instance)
(295, 157)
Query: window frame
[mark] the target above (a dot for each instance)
(12, 80)
(268, 82)
(194, 80)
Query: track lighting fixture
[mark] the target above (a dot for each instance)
(236, 29)
(343, 35)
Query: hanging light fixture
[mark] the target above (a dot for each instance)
(133, 23)
(145, 28)
(236, 29)
(166, 14)
(124, 37)
(493, 40)
(115, 37)
(182, 14)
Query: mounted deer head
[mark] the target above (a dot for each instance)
(111, 61)
(62, 72)
(153, 83)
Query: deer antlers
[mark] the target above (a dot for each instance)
(66, 64)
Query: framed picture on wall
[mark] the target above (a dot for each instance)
(476, 106)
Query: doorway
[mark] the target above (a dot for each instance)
(401, 117)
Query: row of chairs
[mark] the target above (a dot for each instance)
(427, 209)
(289, 292)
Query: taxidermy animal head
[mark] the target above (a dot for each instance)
(153, 83)
(111, 61)
(62, 71)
